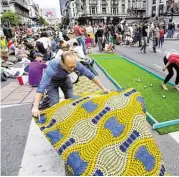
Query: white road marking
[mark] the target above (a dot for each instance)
(159, 51)
(40, 158)
(175, 136)
(12, 105)
(173, 50)
(158, 66)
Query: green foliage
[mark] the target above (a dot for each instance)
(41, 21)
(65, 21)
(10, 18)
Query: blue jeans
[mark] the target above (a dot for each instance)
(161, 41)
(53, 92)
(169, 34)
(81, 41)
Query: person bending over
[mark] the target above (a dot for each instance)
(56, 75)
(171, 62)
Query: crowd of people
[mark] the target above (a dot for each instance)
(44, 49)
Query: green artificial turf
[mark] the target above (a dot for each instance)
(126, 73)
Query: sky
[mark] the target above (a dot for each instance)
(49, 4)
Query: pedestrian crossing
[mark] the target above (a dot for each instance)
(175, 136)
(40, 158)
(164, 50)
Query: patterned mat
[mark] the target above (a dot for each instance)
(85, 86)
(103, 134)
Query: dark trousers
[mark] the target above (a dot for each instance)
(155, 43)
(144, 45)
(170, 70)
(161, 41)
(53, 92)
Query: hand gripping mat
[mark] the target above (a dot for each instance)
(103, 134)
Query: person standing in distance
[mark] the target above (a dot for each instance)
(56, 75)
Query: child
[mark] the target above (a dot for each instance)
(20, 52)
(36, 70)
(88, 44)
(3, 42)
(111, 42)
(109, 48)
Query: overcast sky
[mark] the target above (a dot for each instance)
(49, 4)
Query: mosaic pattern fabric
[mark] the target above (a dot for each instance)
(103, 134)
(84, 86)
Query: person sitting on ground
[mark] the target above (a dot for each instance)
(20, 52)
(36, 69)
(12, 48)
(171, 62)
(3, 42)
(109, 48)
(44, 44)
(4, 55)
(79, 50)
(64, 47)
(10, 41)
(31, 50)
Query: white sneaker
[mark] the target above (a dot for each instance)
(176, 87)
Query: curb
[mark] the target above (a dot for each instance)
(171, 39)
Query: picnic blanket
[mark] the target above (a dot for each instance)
(103, 134)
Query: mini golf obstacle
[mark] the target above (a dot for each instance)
(111, 66)
(103, 134)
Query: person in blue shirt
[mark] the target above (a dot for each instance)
(56, 75)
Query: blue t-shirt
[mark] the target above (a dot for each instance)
(55, 73)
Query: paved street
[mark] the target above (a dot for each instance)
(25, 151)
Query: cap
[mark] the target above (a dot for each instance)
(38, 54)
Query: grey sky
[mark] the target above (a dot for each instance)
(49, 4)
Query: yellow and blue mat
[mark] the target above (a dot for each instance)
(103, 134)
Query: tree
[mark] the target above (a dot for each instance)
(41, 21)
(10, 18)
(65, 21)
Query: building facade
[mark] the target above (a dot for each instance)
(159, 8)
(18, 6)
(103, 11)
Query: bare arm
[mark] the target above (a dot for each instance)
(166, 66)
(35, 110)
(98, 83)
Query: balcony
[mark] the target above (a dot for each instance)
(5, 3)
(102, 15)
(20, 3)
(93, 2)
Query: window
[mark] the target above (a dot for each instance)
(154, 1)
(93, 10)
(114, 10)
(123, 9)
(5, 3)
(104, 10)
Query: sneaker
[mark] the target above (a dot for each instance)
(176, 87)
(164, 87)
